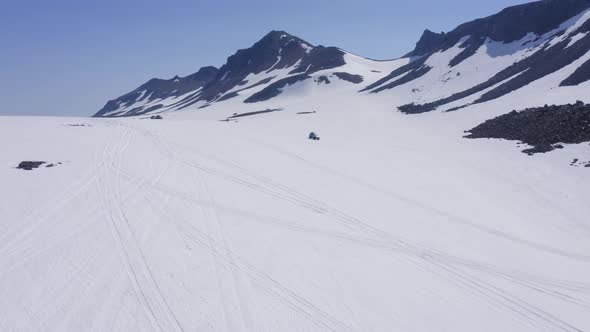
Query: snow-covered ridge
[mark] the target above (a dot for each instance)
(479, 61)
(278, 55)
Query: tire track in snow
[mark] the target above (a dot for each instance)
(315, 205)
(280, 191)
(225, 254)
(108, 156)
(245, 320)
(482, 293)
(21, 245)
(447, 216)
(133, 254)
(529, 281)
(230, 325)
(55, 235)
(271, 286)
(14, 240)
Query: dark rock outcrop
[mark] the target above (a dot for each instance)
(543, 127)
(356, 79)
(276, 50)
(323, 79)
(30, 165)
(581, 75)
(320, 58)
(403, 74)
(241, 115)
(274, 89)
(509, 25)
(428, 43)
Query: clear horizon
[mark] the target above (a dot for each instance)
(68, 58)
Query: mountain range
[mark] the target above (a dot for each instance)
(544, 42)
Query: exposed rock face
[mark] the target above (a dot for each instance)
(264, 55)
(581, 75)
(400, 76)
(275, 88)
(551, 51)
(277, 50)
(511, 24)
(549, 59)
(541, 127)
(159, 89)
(428, 43)
(320, 58)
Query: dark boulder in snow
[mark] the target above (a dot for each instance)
(323, 79)
(30, 165)
(356, 79)
(241, 115)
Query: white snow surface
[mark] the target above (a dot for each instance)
(389, 223)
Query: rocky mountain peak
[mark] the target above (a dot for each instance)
(429, 42)
(276, 50)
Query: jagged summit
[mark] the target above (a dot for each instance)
(276, 50)
(510, 24)
(281, 36)
(205, 72)
(428, 42)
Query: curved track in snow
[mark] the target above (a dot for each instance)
(195, 225)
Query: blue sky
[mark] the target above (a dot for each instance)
(68, 57)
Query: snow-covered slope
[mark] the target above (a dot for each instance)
(474, 66)
(389, 223)
(479, 61)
